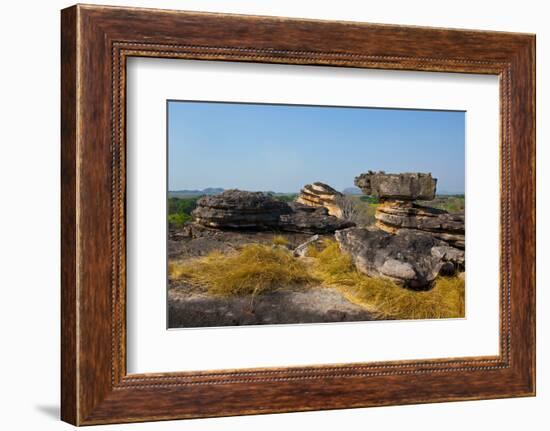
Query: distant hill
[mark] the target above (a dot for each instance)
(281, 193)
(447, 193)
(189, 193)
(352, 191)
(210, 191)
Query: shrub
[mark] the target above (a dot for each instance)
(357, 210)
(369, 199)
(450, 203)
(182, 205)
(370, 213)
(285, 198)
(178, 220)
(254, 269)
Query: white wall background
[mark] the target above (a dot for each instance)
(29, 215)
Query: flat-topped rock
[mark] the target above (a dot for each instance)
(321, 195)
(405, 186)
(410, 258)
(237, 209)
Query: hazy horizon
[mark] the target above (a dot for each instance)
(280, 148)
(283, 192)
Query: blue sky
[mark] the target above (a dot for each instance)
(282, 147)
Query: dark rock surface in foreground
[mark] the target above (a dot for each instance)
(285, 306)
(411, 258)
(237, 209)
(405, 186)
(195, 240)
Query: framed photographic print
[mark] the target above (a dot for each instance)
(322, 214)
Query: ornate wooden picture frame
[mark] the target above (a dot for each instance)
(96, 41)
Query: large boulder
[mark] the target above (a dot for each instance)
(237, 209)
(410, 258)
(321, 195)
(392, 216)
(405, 186)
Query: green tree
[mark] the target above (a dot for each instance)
(178, 220)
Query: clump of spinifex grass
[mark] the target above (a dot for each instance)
(383, 297)
(256, 268)
(280, 240)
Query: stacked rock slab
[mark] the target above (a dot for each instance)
(402, 187)
(410, 258)
(394, 216)
(237, 209)
(321, 195)
(397, 210)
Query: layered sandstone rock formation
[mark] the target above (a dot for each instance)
(237, 209)
(406, 187)
(321, 195)
(397, 210)
(410, 258)
(393, 216)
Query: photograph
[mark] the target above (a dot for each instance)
(295, 214)
(268, 211)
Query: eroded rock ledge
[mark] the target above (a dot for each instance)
(321, 195)
(237, 209)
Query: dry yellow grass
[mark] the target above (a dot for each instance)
(259, 268)
(383, 297)
(280, 240)
(254, 269)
